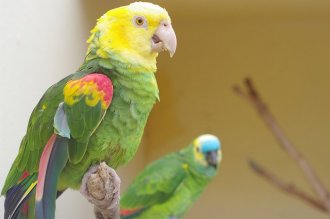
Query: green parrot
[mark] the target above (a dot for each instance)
(95, 114)
(168, 187)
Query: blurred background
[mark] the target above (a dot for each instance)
(283, 45)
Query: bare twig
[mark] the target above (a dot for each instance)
(253, 97)
(286, 187)
(101, 187)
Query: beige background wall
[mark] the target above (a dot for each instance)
(284, 46)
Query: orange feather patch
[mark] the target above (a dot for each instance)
(95, 87)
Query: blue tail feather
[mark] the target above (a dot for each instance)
(17, 195)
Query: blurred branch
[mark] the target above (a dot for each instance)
(252, 95)
(286, 187)
(101, 187)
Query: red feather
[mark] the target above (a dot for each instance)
(127, 212)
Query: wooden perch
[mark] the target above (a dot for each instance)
(101, 187)
(323, 201)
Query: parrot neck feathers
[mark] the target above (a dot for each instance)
(123, 61)
(122, 75)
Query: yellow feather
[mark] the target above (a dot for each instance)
(116, 36)
(27, 192)
(199, 157)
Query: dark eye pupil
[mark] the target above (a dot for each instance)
(140, 21)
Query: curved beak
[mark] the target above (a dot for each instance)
(212, 158)
(164, 39)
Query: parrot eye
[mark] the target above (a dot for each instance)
(140, 21)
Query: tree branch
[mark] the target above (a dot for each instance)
(101, 187)
(286, 187)
(254, 98)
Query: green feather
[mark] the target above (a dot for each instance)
(155, 184)
(114, 139)
(77, 150)
(83, 120)
(167, 187)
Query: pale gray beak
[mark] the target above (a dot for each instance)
(164, 39)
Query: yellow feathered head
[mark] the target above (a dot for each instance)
(133, 34)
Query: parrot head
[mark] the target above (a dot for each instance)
(133, 34)
(207, 153)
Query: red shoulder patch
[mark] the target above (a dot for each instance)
(94, 87)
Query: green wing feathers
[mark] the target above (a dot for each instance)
(155, 184)
(85, 103)
(85, 100)
(39, 130)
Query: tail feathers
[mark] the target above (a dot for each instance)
(52, 161)
(17, 195)
(24, 212)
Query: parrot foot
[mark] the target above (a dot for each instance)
(101, 187)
